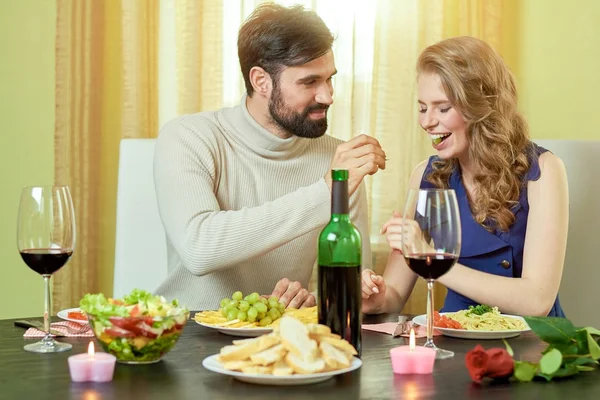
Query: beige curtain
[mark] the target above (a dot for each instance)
(78, 137)
(107, 89)
(107, 82)
(113, 57)
(199, 47)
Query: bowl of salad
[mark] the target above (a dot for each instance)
(140, 328)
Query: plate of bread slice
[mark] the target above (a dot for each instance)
(293, 354)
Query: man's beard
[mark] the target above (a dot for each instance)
(297, 124)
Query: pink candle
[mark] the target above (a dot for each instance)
(92, 367)
(412, 360)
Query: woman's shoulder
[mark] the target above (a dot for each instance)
(550, 180)
(541, 159)
(551, 170)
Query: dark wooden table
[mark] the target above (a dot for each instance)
(180, 375)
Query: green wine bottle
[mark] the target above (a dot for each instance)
(339, 254)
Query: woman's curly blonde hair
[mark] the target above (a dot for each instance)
(482, 88)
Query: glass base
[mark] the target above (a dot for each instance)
(440, 354)
(139, 362)
(48, 345)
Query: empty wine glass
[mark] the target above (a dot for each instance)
(46, 240)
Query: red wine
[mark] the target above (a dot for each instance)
(340, 302)
(46, 261)
(430, 266)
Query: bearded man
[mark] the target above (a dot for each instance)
(243, 192)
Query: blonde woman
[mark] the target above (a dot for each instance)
(512, 194)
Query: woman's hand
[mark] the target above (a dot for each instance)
(373, 292)
(414, 242)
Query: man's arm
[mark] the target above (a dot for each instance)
(207, 238)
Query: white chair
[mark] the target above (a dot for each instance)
(140, 248)
(581, 274)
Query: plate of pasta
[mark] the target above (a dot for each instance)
(479, 322)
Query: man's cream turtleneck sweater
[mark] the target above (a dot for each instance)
(242, 208)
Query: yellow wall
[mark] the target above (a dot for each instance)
(559, 67)
(27, 30)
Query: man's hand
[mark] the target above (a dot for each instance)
(293, 295)
(361, 156)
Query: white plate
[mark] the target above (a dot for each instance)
(212, 364)
(63, 314)
(243, 332)
(464, 334)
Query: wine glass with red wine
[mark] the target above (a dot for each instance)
(431, 240)
(46, 240)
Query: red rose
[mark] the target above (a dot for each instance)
(477, 360)
(500, 363)
(492, 363)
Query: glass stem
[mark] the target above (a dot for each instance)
(429, 342)
(47, 306)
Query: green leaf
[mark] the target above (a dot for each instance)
(564, 348)
(567, 370)
(582, 342)
(524, 371)
(552, 329)
(550, 362)
(580, 361)
(585, 368)
(509, 349)
(593, 347)
(592, 331)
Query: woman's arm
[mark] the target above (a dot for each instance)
(544, 251)
(398, 279)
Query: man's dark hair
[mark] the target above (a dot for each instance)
(274, 36)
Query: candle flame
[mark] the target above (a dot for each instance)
(91, 349)
(411, 340)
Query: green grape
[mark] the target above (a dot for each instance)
(241, 315)
(243, 306)
(274, 298)
(266, 321)
(232, 314)
(252, 313)
(225, 302)
(274, 314)
(273, 304)
(233, 303)
(260, 307)
(237, 296)
(224, 311)
(281, 308)
(251, 319)
(229, 308)
(261, 315)
(252, 298)
(264, 301)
